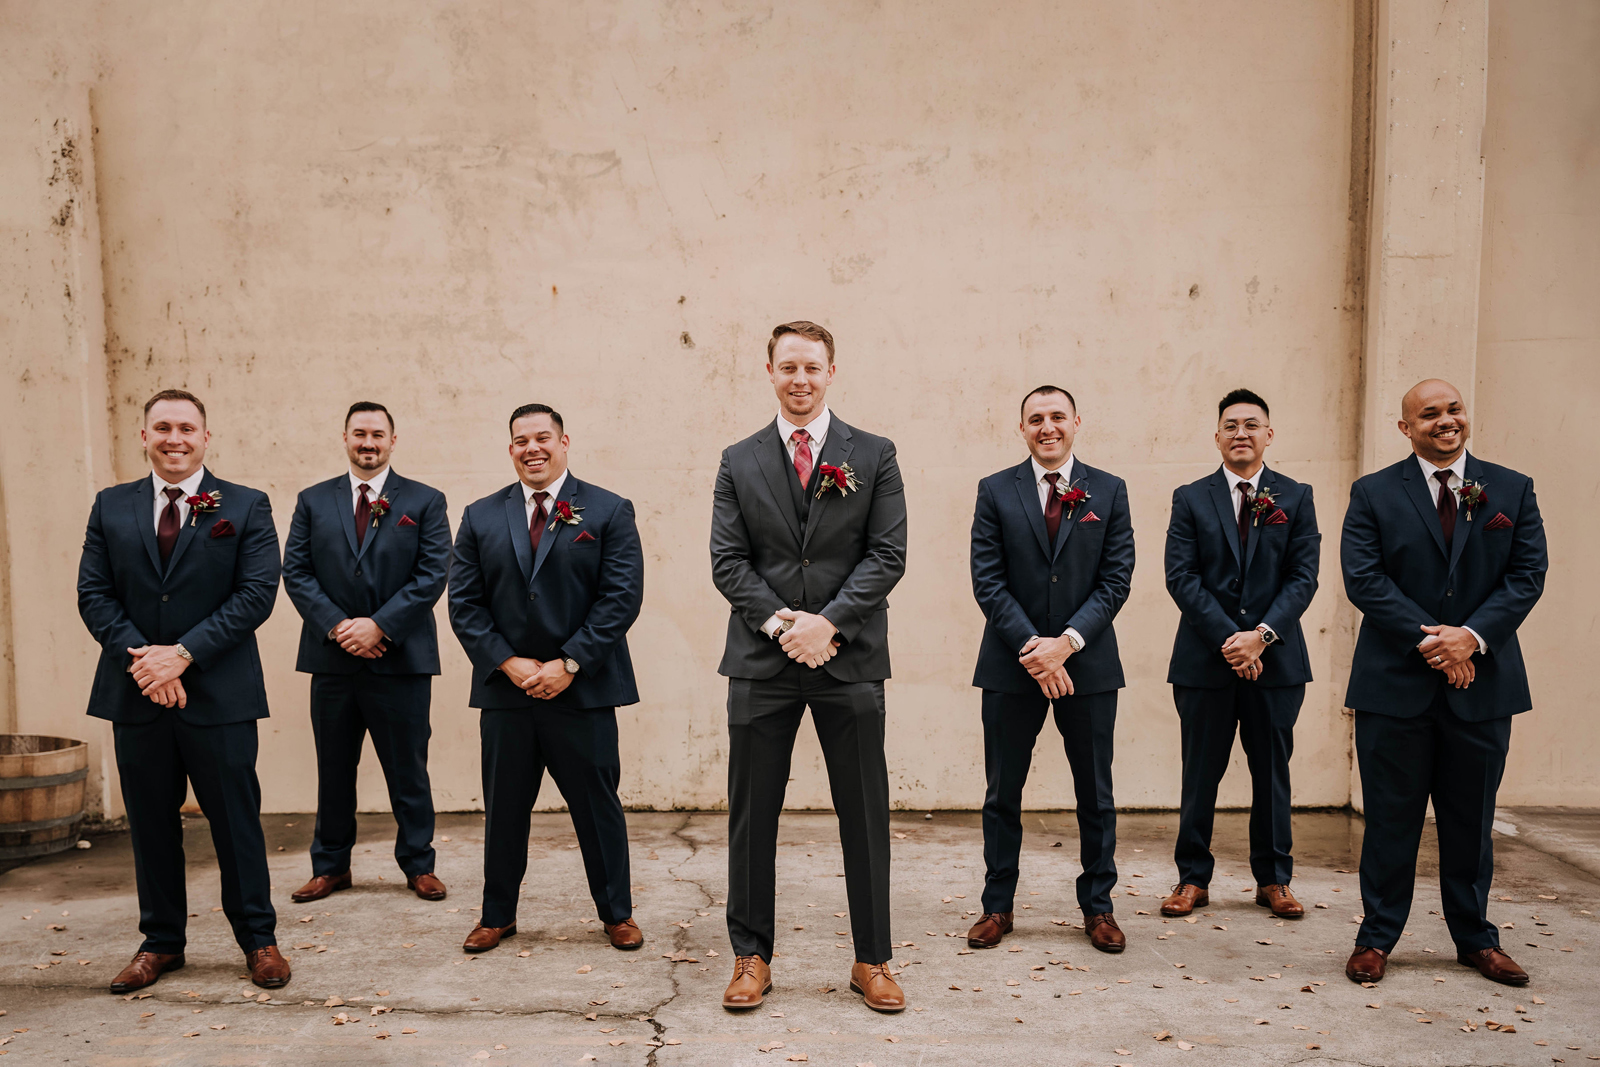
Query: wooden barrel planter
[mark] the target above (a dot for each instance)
(42, 782)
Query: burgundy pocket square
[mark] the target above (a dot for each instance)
(583, 535)
(1499, 522)
(1277, 518)
(1091, 517)
(405, 520)
(223, 528)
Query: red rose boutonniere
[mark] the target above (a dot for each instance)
(564, 512)
(841, 478)
(1071, 496)
(1473, 496)
(380, 508)
(203, 504)
(1261, 503)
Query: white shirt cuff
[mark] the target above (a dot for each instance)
(1483, 649)
(770, 627)
(1073, 632)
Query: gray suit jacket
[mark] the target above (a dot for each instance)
(835, 555)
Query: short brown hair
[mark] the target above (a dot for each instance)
(175, 394)
(809, 330)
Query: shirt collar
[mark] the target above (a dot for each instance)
(1234, 479)
(377, 482)
(190, 485)
(816, 429)
(1458, 468)
(1065, 470)
(554, 488)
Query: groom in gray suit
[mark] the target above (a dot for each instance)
(808, 535)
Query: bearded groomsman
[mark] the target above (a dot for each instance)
(808, 535)
(1444, 555)
(548, 577)
(1052, 556)
(179, 569)
(1242, 555)
(366, 560)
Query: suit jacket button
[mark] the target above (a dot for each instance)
(805, 563)
(1449, 592)
(358, 573)
(795, 603)
(1241, 611)
(163, 598)
(533, 596)
(1053, 578)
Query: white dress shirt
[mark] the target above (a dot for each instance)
(1039, 473)
(554, 489)
(817, 430)
(1458, 478)
(190, 487)
(1234, 481)
(375, 483)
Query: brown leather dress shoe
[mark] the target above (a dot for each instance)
(752, 981)
(144, 969)
(483, 938)
(1184, 899)
(1281, 901)
(1104, 933)
(625, 935)
(1366, 964)
(1494, 965)
(320, 886)
(268, 968)
(987, 931)
(426, 886)
(877, 987)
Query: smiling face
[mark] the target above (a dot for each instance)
(175, 439)
(368, 439)
(800, 373)
(1049, 426)
(1434, 417)
(538, 450)
(1243, 434)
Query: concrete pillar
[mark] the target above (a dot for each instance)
(54, 416)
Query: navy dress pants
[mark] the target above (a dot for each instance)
(393, 708)
(1404, 762)
(157, 761)
(1011, 725)
(1264, 718)
(579, 749)
(763, 717)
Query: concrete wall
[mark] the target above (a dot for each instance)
(1539, 360)
(606, 206)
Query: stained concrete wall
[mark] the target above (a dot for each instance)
(606, 206)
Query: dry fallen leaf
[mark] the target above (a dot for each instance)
(409, 1030)
(801, 1057)
(1185, 1045)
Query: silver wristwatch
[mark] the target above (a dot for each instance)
(1268, 636)
(184, 652)
(1072, 639)
(570, 664)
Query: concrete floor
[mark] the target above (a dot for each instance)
(1236, 987)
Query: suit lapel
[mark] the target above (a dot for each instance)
(517, 520)
(188, 531)
(1464, 528)
(774, 463)
(835, 452)
(339, 493)
(1223, 499)
(1074, 472)
(1028, 496)
(143, 518)
(547, 541)
(1427, 510)
(1269, 481)
(391, 487)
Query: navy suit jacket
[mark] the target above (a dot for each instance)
(394, 577)
(1219, 596)
(215, 592)
(577, 600)
(1027, 586)
(1400, 574)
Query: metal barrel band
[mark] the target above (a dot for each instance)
(41, 824)
(45, 780)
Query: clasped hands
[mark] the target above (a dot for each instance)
(1044, 658)
(156, 669)
(812, 639)
(360, 637)
(1449, 649)
(540, 680)
(1243, 653)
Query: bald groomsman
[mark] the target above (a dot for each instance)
(1444, 555)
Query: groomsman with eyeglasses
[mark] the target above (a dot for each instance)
(1242, 558)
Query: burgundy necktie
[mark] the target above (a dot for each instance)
(1447, 506)
(536, 524)
(1052, 507)
(802, 456)
(1244, 517)
(363, 515)
(167, 528)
